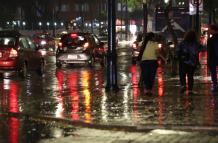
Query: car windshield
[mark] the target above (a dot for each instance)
(74, 40)
(7, 41)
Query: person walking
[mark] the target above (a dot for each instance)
(212, 51)
(148, 56)
(188, 56)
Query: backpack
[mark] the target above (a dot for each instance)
(188, 53)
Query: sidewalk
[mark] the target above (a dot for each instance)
(154, 136)
(129, 116)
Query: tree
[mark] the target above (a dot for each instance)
(211, 6)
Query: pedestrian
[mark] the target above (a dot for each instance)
(148, 56)
(212, 51)
(188, 56)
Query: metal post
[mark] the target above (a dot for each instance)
(126, 21)
(111, 54)
(145, 16)
(197, 17)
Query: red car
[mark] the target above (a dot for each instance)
(19, 54)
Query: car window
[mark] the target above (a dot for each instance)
(74, 40)
(7, 41)
(31, 44)
(23, 43)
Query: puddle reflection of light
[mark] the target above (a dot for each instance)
(14, 125)
(60, 107)
(136, 94)
(87, 101)
(125, 102)
(87, 106)
(85, 78)
(13, 97)
(134, 73)
(135, 91)
(204, 71)
(104, 108)
(75, 106)
(72, 84)
(160, 81)
(160, 110)
(60, 76)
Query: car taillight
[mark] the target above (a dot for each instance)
(13, 53)
(73, 35)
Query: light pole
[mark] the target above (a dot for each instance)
(111, 54)
(197, 24)
(145, 16)
(54, 32)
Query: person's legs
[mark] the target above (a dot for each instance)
(152, 73)
(182, 76)
(191, 71)
(144, 73)
(213, 72)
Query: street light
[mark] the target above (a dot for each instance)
(166, 1)
(40, 24)
(48, 25)
(62, 24)
(197, 27)
(24, 24)
(54, 32)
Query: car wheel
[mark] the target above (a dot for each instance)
(41, 69)
(23, 71)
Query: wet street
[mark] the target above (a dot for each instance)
(44, 109)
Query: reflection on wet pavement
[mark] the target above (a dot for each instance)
(78, 94)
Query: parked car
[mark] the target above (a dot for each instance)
(44, 40)
(80, 48)
(19, 54)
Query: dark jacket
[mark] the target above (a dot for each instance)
(188, 53)
(212, 43)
